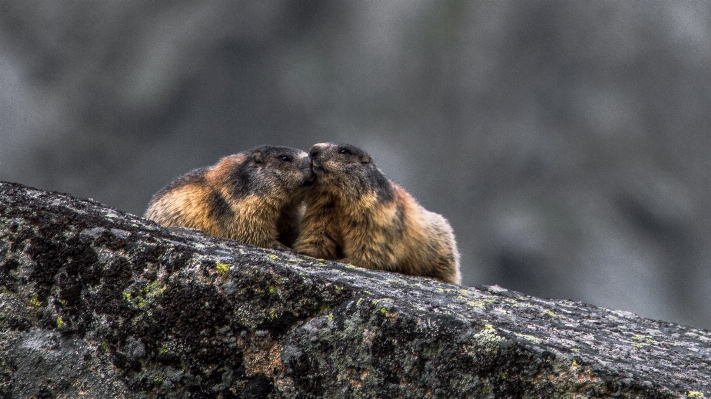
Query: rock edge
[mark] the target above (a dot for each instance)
(98, 303)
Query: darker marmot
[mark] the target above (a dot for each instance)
(356, 215)
(254, 197)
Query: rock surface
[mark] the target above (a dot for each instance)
(98, 303)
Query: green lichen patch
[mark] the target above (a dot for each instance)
(222, 267)
(142, 294)
(35, 300)
(528, 337)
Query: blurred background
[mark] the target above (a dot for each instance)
(568, 143)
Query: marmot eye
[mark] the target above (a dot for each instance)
(285, 158)
(344, 151)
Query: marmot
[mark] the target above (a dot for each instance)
(356, 215)
(254, 197)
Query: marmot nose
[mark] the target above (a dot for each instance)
(317, 149)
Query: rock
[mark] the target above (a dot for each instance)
(98, 303)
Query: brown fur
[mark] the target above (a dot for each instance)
(356, 215)
(254, 197)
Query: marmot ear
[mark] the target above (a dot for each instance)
(365, 159)
(258, 157)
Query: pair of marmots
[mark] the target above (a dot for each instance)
(332, 203)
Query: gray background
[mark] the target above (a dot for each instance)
(567, 142)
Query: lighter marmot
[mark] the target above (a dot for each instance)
(254, 197)
(356, 215)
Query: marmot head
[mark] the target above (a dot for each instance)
(268, 170)
(347, 169)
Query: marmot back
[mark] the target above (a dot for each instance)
(356, 215)
(254, 197)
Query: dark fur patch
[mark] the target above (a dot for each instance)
(400, 218)
(383, 188)
(338, 250)
(287, 226)
(218, 208)
(241, 180)
(353, 224)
